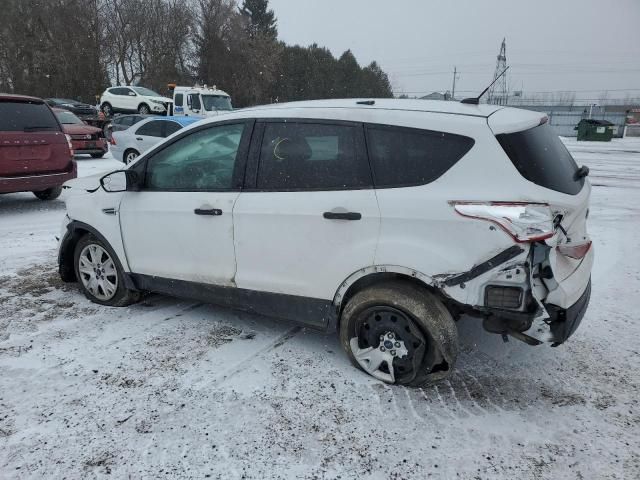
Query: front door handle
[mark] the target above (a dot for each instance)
(138, 138)
(342, 215)
(214, 212)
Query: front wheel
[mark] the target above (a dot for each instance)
(399, 333)
(49, 193)
(100, 275)
(144, 109)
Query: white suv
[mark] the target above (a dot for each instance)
(132, 100)
(385, 220)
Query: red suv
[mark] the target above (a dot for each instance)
(35, 154)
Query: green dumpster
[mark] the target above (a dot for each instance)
(595, 130)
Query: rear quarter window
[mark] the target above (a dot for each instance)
(407, 156)
(26, 117)
(541, 157)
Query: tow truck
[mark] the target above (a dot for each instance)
(202, 101)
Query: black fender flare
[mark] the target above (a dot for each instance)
(75, 230)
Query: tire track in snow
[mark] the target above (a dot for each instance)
(244, 364)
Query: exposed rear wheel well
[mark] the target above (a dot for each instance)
(384, 277)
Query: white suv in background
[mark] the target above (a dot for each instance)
(133, 99)
(385, 220)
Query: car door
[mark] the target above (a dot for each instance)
(118, 98)
(149, 134)
(308, 217)
(180, 224)
(129, 98)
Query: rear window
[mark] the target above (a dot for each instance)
(26, 117)
(408, 156)
(541, 157)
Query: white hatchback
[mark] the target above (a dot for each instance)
(384, 220)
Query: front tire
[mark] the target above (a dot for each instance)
(400, 333)
(49, 193)
(100, 274)
(144, 109)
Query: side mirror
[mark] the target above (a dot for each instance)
(132, 94)
(119, 181)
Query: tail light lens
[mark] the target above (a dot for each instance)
(70, 144)
(525, 222)
(112, 140)
(574, 251)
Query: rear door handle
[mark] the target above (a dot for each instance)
(214, 212)
(342, 215)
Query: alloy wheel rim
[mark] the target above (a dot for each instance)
(98, 272)
(131, 156)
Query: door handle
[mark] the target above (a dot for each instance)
(342, 215)
(138, 138)
(214, 212)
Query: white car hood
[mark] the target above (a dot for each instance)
(160, 99)
(84, 184)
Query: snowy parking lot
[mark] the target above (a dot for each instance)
(169, 388)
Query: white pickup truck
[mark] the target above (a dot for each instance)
(200, 101)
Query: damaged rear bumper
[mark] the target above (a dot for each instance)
(564, 321)
(515, 295)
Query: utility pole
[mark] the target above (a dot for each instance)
(453, 90)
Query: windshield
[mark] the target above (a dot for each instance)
(146, 92)
(216, 102)
(68, 118)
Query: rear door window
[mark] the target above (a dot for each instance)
(541, 157)
(26, 117)
(152, 129)
(171, 128)
(407, 156)
(309, 156)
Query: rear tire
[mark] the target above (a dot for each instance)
(419, 332)
(129, 156)
(97, 155)
(49, 193)
(100, 274)
(107, 109)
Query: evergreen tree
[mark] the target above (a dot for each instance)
(262, 20)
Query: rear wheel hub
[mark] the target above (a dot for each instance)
(388, 345)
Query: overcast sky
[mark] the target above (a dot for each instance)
(585, 46)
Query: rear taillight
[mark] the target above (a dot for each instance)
(70, 144)
(525, 222)
(574, 251)
(112, 140)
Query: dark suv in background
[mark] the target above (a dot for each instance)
(78, 108)
(35, 154)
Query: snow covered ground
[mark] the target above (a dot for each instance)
(176, 389)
